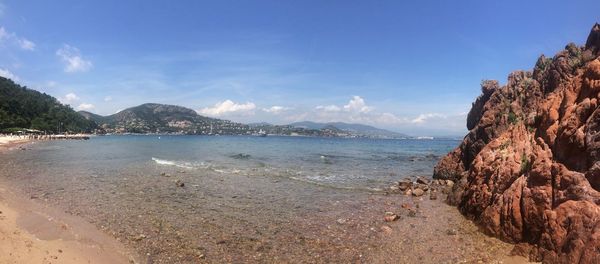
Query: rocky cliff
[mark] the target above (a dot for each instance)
(528, 171)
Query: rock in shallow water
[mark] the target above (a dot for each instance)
(390, 217)
(418, 192)
(179, 183)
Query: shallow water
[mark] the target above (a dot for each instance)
(244, 198)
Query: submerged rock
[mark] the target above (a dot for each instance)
(528, 171)
(390, 217)
(179, 183)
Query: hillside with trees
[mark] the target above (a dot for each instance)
(21, 107)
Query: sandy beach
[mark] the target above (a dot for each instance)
(33, 233)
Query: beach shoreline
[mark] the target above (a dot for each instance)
(34, 233)
(349, 228)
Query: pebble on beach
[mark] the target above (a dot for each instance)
(418, 192)
(390, 217)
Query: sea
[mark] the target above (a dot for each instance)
(198, 191)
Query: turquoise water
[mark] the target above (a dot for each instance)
(334, 162)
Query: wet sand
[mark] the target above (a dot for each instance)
(217, 218)
(34, 233)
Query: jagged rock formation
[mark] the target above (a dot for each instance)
(528, 171)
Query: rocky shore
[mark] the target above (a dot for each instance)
(528, 171)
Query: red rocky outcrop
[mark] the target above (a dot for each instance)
(528, 171)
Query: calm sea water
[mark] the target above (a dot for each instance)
(245, 198)
(334, 162)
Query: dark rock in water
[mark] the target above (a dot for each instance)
(179, 183)
(390, 217)
(527, 171)
(240, 156)
(422, 180)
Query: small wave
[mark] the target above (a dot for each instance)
(171, 163)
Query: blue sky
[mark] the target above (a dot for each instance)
(413, 67)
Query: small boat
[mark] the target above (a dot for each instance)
(261, 133)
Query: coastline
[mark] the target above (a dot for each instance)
(34, 233)
(35, 230)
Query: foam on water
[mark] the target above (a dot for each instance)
(172, 163)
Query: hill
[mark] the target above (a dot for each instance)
(528, 171)
(355, 129)
(21, 107)
(162, 118)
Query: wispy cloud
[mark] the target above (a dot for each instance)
(69, 98)
(13, 39)
(73, 60)
(8, 74)
(423, 118)
(85, 106)
(276, 109)
(228, 107)
(26, 44)
(108, 98)
(328, 108)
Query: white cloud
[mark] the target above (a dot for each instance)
(107, 99)
(85, 106)
(7, 74)
(390, 119)
(276, 109)
(355, 111)
(73, 60)
(422, 118)
(26, 44)
(11, 37)
(228, 107)
(69, 98)
(357, 104)
(329, 108)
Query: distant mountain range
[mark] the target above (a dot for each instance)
(357, 129)
(161, 118)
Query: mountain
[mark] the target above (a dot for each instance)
(161, 118)
(356, 129)
(93, 117)
(21, 107)
(528, 171)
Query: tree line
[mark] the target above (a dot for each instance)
(21, 107)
